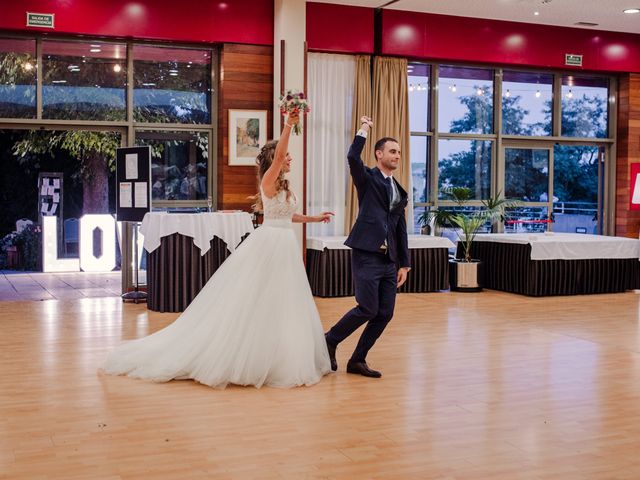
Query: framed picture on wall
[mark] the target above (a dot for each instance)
(247, 135)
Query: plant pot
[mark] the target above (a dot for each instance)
(13, 257)
(466, 276)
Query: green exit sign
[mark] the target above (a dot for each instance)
(43, 20)
(574, 60)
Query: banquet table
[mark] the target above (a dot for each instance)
(329, 265)
(184, 251)
(558, 263)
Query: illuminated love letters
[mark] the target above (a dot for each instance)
(97, 245)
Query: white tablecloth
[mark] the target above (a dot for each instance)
(415, 241)
(568, 246)
(202, 227)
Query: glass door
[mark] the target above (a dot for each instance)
(561, 186)
(578, 188)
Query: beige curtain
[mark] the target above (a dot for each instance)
(389, 107)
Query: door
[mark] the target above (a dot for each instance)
(528, 178)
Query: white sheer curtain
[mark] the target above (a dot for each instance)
(331, 83)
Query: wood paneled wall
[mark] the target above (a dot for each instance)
(246, 82)
(628, 152)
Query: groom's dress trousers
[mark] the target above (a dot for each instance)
(379, 246)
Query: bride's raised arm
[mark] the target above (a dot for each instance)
(268, 182)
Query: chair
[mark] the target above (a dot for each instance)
(71, 233)
(22, 224)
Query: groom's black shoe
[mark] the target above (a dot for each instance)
(361, 368)
(332, 355)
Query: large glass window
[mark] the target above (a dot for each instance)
(584, 106)
(17, 78)
(465, 100)
(465, 163)
(527, 103)
(171, 85)
(179, 164)
(83, 165)
(84, 81)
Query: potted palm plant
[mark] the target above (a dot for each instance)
(466, 273)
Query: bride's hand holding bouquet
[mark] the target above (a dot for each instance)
(294, 103)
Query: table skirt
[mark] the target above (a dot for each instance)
(176, 271)
(329, 271)
(508, 267)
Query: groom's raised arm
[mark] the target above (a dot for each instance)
(356, 165)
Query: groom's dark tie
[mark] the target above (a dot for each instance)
(389, 188)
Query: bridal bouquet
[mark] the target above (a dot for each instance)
(294, 101)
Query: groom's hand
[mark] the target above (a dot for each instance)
(402, 276)
(366, 123)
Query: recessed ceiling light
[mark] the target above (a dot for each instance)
(536, 13)
(632, 10)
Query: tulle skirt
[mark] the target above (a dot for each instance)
(253, 323)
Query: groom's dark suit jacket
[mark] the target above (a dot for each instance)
(376, 220)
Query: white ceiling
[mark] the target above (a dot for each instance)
(606, 13)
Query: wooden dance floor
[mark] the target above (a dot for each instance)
(475, 386)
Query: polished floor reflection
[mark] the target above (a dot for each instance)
(475, 386)
(61, 286)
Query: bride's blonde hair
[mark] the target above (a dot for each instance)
(263, 162)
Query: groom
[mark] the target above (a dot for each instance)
(380, 253)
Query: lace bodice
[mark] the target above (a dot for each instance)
(279, 207)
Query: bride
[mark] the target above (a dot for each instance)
(255, 321)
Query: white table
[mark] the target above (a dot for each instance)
(201, 227)
(568, 246)
(329, 265)
(558, 263)
(185, 250)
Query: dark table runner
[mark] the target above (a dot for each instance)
(176, 271)
(508, 267)
(329, 271)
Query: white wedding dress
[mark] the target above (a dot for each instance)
(253, 323)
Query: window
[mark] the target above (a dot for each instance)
(527, 103)
(178, 164)
(171, 85)
(420, 168)
(526, 174)
(465, 100)
(465, 163)
(584, 106)
(84, 81)
(17, 78)
(419, 77)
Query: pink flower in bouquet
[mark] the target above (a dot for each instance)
(294, 101)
